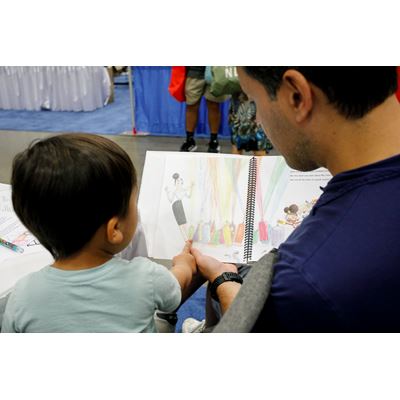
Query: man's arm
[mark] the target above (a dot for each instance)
(226, 293)
(211, 269)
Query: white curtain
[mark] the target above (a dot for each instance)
(54, 88)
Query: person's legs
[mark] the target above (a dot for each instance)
(214, 119)
(194, 89)
(213, 310)
(191, 122)
(166, 322)
(197, 281)
(192, 112)
(214, 116)
(191, 325)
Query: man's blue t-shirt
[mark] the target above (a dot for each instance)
(340, 270)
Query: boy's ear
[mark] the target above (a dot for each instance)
(114, 234)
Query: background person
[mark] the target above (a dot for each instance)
(195, 88)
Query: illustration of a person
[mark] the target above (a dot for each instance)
(175, 196)
(291, 215)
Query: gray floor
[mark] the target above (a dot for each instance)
(12, 142)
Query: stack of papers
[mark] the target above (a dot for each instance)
(13, 265)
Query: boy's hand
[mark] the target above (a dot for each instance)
(185, 257)
(209, 267)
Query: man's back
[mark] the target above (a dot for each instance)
(340, 270)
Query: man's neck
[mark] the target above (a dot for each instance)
(353, 144)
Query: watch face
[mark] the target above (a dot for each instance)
(232, 276)
(224, 277)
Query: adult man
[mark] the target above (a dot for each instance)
(338, 271)
(195, 88)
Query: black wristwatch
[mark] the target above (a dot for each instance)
(224, 277)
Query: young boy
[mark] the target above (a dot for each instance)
(77, 194)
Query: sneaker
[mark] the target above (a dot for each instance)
(165, 322)
(189, 145)
(213, 146)
(191, 325)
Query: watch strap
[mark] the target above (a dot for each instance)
(224, 277)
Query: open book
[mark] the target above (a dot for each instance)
(234, 208)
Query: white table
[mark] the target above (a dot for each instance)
(14, 266)
(54, 88)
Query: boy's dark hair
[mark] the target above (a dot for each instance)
(354, 91)
(65, 187)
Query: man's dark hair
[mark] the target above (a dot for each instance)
(354, 91)
(65, 187)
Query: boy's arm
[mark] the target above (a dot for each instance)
(184, 267)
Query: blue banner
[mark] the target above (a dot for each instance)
(158, 113)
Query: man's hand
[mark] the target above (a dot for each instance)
(185, 257)
(209, 267)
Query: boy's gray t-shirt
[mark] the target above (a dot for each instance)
(118, 296)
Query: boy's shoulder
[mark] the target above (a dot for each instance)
(142, 266)
(141, 263)
(46, 277)
(32, 277)
(28, 284)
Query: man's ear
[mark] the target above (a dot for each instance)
(300, 94)
(113, 233)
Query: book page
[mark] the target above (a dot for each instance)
(11, 228)
(284, 198)
(149, 196)
(13, 265)
(203, 197)
(200, 197)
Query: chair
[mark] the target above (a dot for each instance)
(249, 302)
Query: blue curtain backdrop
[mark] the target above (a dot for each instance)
(157, 112)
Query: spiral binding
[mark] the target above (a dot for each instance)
(250, 210)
